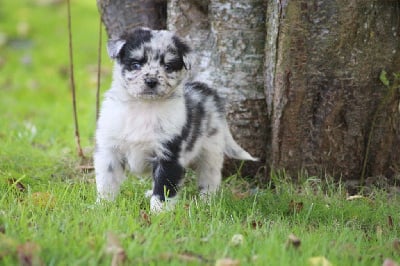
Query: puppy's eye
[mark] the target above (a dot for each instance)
(174, 65)
(135, 66)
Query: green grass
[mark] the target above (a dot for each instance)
(47, 210)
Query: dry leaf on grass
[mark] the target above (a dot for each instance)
(114, 248)
(240, 195)
(390, 262)
(185, 257)
(390, 222)
(354, 197)
(256, 224)
(18, 184)
(7, 245)
(296, 206)
(191, 257)
(293, 241)
(319, 261)
(43, 199)
(28, 254)
(145, 217)
(396, 245)
(227, 262)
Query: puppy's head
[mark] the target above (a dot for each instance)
(150, 64)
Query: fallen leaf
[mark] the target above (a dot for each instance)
(256, 224)
(227, 262)
(114, 248)
(7, 246)
(390, 222)
(396, 245)
(354, 197)
(240, 195)
(390, 262)
(28, 254)
(145, 217)
(237, 240)
(293, 241)
(319, 261)
(296, 206)
(191, 257)
(18, 184)
(43, 199)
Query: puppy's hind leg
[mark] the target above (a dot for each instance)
(208, 169)
(109, 170)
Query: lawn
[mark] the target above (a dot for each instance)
(47, 210)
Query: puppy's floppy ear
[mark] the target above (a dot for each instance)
(185, 51)
(114, 46)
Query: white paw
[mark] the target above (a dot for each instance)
(158, 206)
(105, 197)
(148, 193)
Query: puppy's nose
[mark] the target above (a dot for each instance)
(151, 82)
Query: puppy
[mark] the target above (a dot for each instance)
(155, 120)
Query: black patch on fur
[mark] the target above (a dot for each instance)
(196, 113)
(134, 39)
(206, 91)
(123, 163)
(181, 49)
(110, 168)
(173, 65)
(195, 119)
(167, 172)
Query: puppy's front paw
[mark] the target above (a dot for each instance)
(104, 198)
(158, 206)
(148, 193)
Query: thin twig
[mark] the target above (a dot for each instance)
(98, 70)
(72, 83)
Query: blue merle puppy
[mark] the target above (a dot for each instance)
(155, 120)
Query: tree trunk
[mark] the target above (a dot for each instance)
(301, 77)
(329, 111)
(120, 15)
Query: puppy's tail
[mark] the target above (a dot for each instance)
(233, 150)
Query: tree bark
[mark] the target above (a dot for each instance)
(120, 15)
(301, 77)
(322, 85)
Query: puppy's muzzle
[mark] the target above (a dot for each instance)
(151, 82)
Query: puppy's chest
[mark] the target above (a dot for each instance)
(148, 128)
